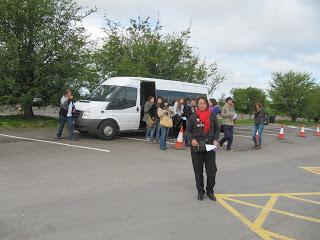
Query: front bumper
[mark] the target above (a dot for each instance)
(85, 125)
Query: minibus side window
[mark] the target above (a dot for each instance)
(126, 98)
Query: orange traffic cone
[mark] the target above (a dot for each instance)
(180, 143)
(302, 134)
(317, 134)
(281, 134)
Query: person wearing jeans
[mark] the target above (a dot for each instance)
(152, 113)
(228, 116)
(147, 105)
(158, 127)
(67, 109)
(259, 121)
(259, 128)
(228, 136)
(163, 110)
(69, 121)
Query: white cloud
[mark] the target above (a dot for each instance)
(248, 38)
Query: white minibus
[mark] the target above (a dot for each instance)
(117, 103)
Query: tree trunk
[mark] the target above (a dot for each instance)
(27, 111)
(294, 118)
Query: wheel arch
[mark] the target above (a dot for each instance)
(109, 120)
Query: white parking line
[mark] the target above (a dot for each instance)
(264, 133)
(141, 140)
(57, 143)
(246, 136)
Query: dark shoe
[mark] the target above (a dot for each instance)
(58, 138)
(200, 196)
(258, 147)
(74, 139)
(255, 146)
(211, 196)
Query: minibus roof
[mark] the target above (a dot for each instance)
(161, 84)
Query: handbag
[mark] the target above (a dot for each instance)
(150, 122)
(200, 148)
(166, 121)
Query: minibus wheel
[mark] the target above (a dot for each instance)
(107, 130)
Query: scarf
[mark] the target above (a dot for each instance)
(204, 117)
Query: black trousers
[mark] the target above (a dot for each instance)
(175, 130)
(209, 160)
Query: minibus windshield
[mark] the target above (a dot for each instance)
(102, 93)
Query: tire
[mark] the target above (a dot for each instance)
(107, 130)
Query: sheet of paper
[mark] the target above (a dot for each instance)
(184, 118)
(210, 147)
(235, 116)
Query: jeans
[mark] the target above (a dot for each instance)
(150, 133)
(228, 136)
(62, 121)
(259, 128)
(163, 137)
(158, 129)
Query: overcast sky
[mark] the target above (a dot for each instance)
(249, 39)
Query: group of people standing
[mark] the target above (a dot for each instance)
(200, 123)
(163, 120)
(180, 113)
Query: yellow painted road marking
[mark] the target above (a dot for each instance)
(269, 194)
(265, 211)
(256, 226)
(245, 220)
(275, 210)
(277, 235)
(302, 199)
(315, 170)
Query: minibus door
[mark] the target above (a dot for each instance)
(125, 108)
(146, 89)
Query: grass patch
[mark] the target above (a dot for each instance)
(10, 122)
(306, 123)
(241, 122)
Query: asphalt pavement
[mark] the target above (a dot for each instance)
(129, 189)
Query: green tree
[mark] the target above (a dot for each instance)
(289, 92)
(142, 50)
(312, 107)
(43, 50)
(245, 98)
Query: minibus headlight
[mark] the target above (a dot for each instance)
(86, 114)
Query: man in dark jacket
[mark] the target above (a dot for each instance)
(67, 109)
